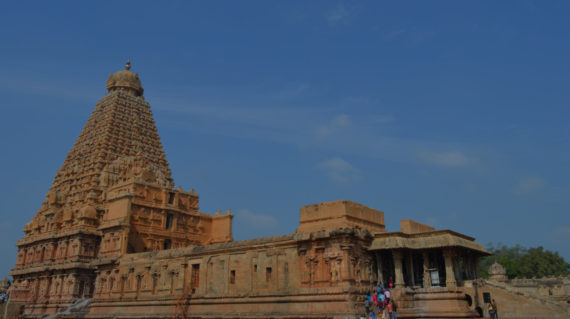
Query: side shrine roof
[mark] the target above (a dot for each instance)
(425, 240)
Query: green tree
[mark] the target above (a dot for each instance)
(538, 262)
(522, 262)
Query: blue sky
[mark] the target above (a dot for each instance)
(450, 113)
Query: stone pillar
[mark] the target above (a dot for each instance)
(379, 268)
(411, 269)
(399, 274)
(53, 251)
(448, 254)
(49, 286)
(74, 286)
(34, 288)
(124, 240)
(24, 257)
(42, 293)
(185, 277)
(427, 278)
(53, 287)
(66, 251)
(79, 251)
(468, 259)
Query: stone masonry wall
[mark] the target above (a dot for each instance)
(297, 275)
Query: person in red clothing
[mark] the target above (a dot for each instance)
(390, 283)
(394, 309)
(375, 302)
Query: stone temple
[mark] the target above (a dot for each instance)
(114, 238)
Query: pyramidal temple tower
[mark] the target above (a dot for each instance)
(120, 127)
(113, 195)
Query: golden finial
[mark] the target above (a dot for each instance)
(128, 65)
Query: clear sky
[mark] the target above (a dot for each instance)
(452, 113)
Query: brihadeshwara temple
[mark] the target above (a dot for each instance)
(115, 239)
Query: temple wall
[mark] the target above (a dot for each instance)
(340, 213)
(409, 226)
(283, 276)
(221, 229)
(557, 288)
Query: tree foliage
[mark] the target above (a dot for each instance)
(520, 262)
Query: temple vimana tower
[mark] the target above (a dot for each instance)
(115, 239)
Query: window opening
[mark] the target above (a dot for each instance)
(195, 279)
(169, 219)
(167, 244)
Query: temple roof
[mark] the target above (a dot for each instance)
(425, 240)
(120, 128)
(125, 80)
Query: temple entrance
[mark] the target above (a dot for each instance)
(384, 266)
(411, 268)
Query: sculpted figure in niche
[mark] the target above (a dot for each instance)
(69, 287)
(99, 286)
(366, 273)
(57, 287)
(54, 286)
(307, 270)
(111, 282)
(356, 267)
(334, 270)
(129, 284)
(314, 270)
(139, 282)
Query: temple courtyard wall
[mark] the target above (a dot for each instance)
(321, 275)
(516, 304)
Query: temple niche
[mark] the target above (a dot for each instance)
(115, 238)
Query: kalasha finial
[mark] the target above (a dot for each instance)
(128, 65)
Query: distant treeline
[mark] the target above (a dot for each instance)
(521, 262)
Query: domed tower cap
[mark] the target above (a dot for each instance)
(126, 81)
(497, 272)
(496, 269)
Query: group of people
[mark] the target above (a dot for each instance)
(379, 303)
(4, 298)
